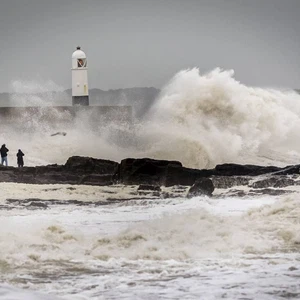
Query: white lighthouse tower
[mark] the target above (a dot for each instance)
(80, 90)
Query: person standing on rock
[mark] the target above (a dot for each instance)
(20, 160)
(3, 151)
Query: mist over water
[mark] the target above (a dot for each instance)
(200, 120)
(37, 93)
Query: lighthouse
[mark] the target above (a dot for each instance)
(80, 90)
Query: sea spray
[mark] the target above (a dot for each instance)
(203, 120)
(199, 119)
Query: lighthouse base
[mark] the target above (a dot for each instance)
(80, 100)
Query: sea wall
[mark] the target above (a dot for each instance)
(67, 114)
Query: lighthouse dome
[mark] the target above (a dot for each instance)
(79, 60)
(78, 53)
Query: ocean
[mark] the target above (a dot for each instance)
(219, 247)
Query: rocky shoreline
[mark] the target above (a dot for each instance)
(150, 175)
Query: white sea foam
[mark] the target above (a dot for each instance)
(199, 234)
(182, 229)
(83, 252)
(10, 293)
(174, 248)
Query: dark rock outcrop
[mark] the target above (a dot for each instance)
(225, 182)
(157, 172)
(274, 181)
(143, 171)
(170, 173)
(253, 170)
(88, 165)
(202, 186)
(176, 175)
(77, 170)
(150, 174)
(243, 170)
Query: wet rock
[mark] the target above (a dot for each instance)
(62, 178)
(77, 170)
(149, 172)
(276, 182)
(224, 182)
(253, 170)
(202, 186)
(38, 205)
(96, 179)
(155, 194)
(176, 175)
(148, 187)
(141, 193)
(54, 169)
(243, 170)
(169, 195)
(157, 172)
(90, 165)
(268, 191)
(143, 170)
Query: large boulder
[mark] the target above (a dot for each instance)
(177, 175)
(157, 172)
(202, 186)
(143, 170)
(90, 165)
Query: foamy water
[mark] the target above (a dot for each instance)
(200, 248)
(155, 249)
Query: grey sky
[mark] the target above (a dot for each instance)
(144, 43)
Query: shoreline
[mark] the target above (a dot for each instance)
(155, 179)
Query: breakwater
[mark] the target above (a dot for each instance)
(67, 114)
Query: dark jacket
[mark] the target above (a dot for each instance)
(20, 155)
(3, 151)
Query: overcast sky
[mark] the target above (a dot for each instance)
(133, 43)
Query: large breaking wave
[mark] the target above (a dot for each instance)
(200, 120)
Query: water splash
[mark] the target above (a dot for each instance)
(37, 93)
(203, 120)
(200, 120)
